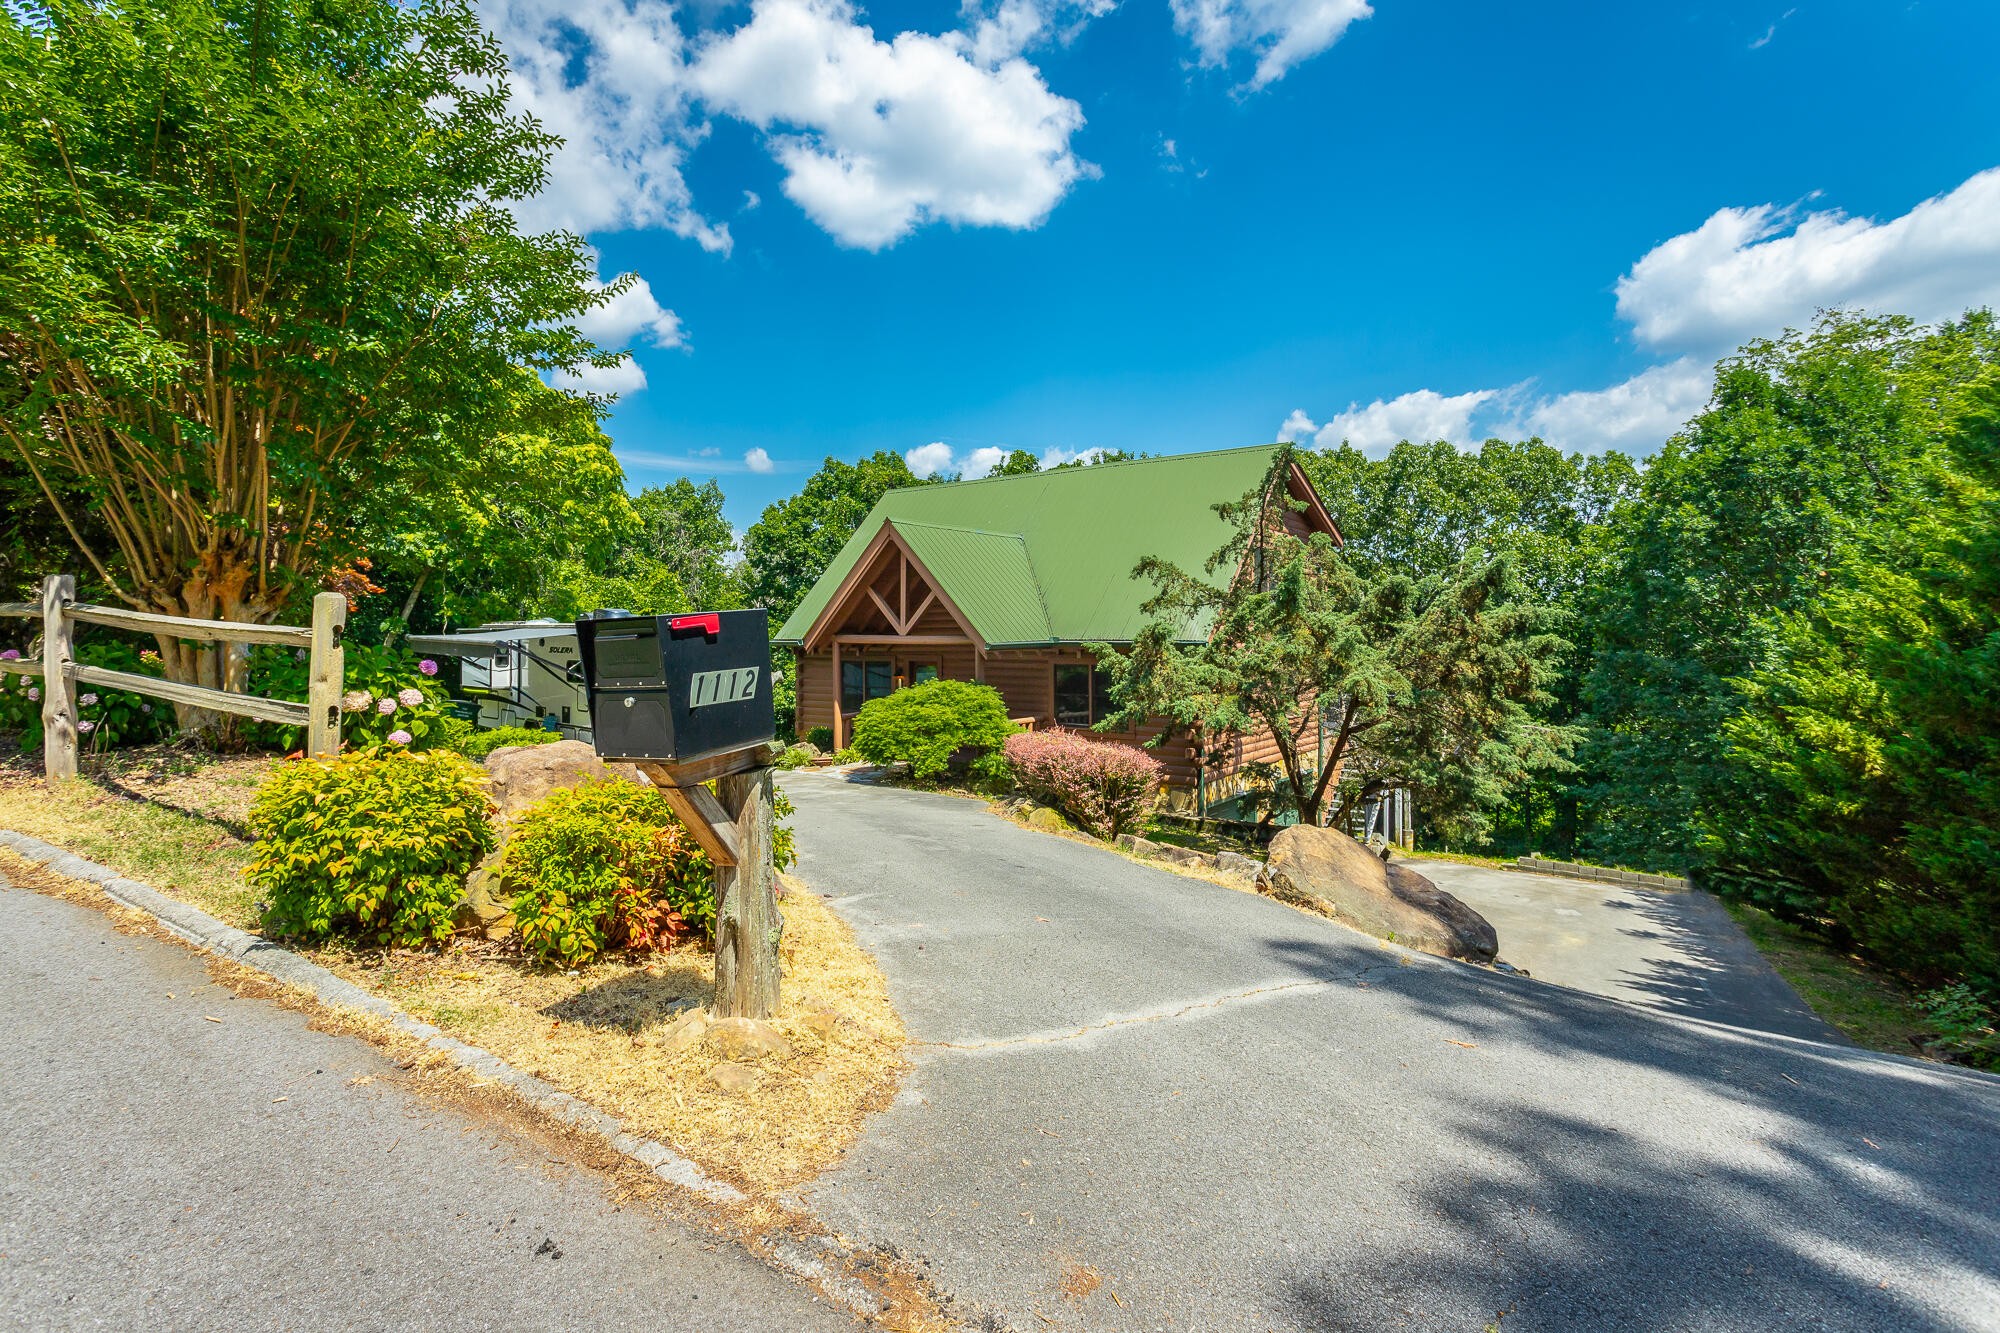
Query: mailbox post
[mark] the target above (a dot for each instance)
(687, 699)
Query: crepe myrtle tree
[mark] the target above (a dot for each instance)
(258, 272)
(1431, 684)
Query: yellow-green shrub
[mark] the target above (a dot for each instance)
(605, 865)
(375, 844)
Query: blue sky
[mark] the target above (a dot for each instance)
(1188, 224)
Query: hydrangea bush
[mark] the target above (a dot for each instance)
(391, 697)
(1102, 786)
(104, 718)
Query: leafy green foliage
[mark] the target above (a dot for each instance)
(925, 725)
(821, 737)
(105, 718)
(796, 756)
(1966, 1026)
(604, 866)
(1433, 684)
(261, 284)
(1810, 439)
(374, 845)
(1867, 740)
(482, 743)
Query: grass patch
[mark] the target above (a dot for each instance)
(1871, 1008)
(176, 821)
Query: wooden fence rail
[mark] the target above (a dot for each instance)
(60, 613)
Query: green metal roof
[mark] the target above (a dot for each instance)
(1048, 557)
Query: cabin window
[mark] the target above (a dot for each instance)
(1080, 696)
(862, 681)
(922, 673)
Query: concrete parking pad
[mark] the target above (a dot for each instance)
(1676, 951)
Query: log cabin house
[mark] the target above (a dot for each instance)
(1004, 579)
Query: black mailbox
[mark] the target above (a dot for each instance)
(677, 688)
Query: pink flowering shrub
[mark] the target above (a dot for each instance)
(1102, 786)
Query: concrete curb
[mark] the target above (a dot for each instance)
(204, 931)
(1535, 865)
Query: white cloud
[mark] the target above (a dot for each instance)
(628, 376)
(1636, 416)
(982, 461)
(929, 460)
(878, 138)
(758, 460)
(1055, 456)
(1281, 34)
(629, 314)
(1422, 415)
(1749, 272)
(608, 76)
(1298, 428)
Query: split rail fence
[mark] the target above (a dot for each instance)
(60, 672)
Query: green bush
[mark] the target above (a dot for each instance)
(482, 743)
(820, 738)
(375, 844)
(925, 725)
(1967, 1027)
(605, 865)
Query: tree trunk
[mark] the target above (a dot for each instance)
(221, 587)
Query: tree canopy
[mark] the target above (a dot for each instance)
(259, 277)
(1431, 683)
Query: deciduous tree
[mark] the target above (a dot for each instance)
(257, 270)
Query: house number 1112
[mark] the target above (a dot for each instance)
(722, 687)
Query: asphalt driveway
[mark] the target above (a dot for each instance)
(1677, 951)
(1142, 1101)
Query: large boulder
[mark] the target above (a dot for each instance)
(520, 775)
(517, 777)
(1327, 870)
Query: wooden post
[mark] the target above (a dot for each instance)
(329, 675)
(747, 921)
(838, 697)
(58, 690)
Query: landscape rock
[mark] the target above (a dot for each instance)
(686, 1030)
(1238, 865)
(822, 1021)
(521, 775)
(734, 1079)
(1182, 856)
(1328, 870)
(1046, 819)
(747, 1039)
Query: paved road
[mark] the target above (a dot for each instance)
(1678, 952)
(160, 1171)
(1234, 1116)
